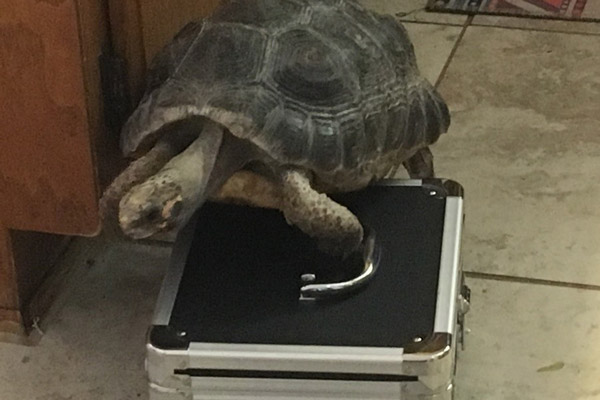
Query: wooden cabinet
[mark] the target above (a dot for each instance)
(47, 178)
(56, 154)
(50, 139)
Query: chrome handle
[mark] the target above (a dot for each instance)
(316, 291)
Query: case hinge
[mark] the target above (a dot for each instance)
(464, 305)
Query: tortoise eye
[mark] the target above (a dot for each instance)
(153, 214)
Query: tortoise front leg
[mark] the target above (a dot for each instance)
(337, 230)
(420, 165)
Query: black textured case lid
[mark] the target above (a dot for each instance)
(242, 277)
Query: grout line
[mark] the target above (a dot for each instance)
(532, 281)
(418, 22)
(454, 49)
(520, 28)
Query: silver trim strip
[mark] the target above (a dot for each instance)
(445, 312)
(290, 389)
(168, 291)
(399, 182)
(343, 359)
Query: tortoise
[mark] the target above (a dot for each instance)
(277, 103)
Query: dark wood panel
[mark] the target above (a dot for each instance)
(12, 329)
(140, 28)
(93, 27)
(127, 40)
(163, 19)
(35, 254)
(9, 294)
(47, 177)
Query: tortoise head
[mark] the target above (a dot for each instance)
(152, 207)
(167, 200)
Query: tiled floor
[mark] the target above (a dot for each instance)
(93, 341)
(525, 143)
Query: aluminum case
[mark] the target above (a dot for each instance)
(181, 367)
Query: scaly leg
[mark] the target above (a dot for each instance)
(420, 165)
(338, 231)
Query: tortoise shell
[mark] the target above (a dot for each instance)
(327, 85)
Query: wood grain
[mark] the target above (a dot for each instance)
(47, 177)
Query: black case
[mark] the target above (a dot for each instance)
(229, 321)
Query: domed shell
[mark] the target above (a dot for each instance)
(322, 84)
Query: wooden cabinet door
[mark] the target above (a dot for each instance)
(53, 146)
(47, 170)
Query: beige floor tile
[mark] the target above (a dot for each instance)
(413, 11)
(433, 45)
(538, 24)
(94, 342)
(530, 342)
(524, 142)
(591, 9)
